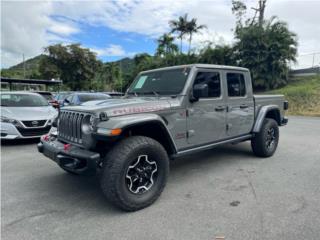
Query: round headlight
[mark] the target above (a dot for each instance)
(92, 122)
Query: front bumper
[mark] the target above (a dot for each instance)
(10, 131)
(70, 157)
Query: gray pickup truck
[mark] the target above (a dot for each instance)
(166, 113)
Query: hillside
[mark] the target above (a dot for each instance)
(303, 95)
(32, 66)
(17, 71)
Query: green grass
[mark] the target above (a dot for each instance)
(303, 95)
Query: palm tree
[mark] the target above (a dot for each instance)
(166, 45)
(193, 28)
(179, 26)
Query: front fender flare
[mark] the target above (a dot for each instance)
(127, 121)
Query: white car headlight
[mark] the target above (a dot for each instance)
(10, 120)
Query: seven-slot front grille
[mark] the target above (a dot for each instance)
(34, 123)
(69, 128)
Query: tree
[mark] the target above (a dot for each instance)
(166, 45)
(75, 65)
(266, 50)
(193, 28)
(180, 27)
(239, 10)
(221, 54)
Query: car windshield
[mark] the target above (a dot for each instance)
(47, 96)
(162, 82)
(23, 100)
(91, 97)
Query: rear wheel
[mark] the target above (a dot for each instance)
(265, 143)
(134, 173)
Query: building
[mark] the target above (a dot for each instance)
(14, 84)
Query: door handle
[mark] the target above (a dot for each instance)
(244, 106)
(220, 108)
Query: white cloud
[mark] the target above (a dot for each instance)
(112, 50)
(63, 29)
(28, 26)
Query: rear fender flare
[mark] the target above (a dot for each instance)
(262, 115)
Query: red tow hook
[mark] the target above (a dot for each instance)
(46, 138)
(66, 147)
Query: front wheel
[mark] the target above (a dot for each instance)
(134, 173)
(265, 143)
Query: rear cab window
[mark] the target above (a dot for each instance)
(236, 85)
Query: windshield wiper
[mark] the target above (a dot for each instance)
(133, 93)
(151, 92)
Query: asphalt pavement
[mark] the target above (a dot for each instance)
(224, 192)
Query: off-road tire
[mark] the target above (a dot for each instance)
(259, 143)
(115, 167)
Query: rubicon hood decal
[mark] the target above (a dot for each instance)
(119, 107)
(137, 109)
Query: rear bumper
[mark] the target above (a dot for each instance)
(73, 159)
(284, 121)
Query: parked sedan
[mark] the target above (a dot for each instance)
(25, 115)
(79, 98)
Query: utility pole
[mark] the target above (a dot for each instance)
(260, 11)
(24, 66)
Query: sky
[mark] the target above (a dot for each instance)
(122, 28)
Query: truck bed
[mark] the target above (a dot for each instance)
(261, 100)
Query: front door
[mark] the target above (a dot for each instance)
(206, 121)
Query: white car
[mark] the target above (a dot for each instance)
(25, 115)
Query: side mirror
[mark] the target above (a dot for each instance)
(66, 102)
(200, 91)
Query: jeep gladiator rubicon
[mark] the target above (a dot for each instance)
(166, 113)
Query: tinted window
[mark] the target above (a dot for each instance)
(212, 79)
(236, 85)
(23, 100)
(161, 82)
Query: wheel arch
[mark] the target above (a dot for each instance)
(154, 129)
(270, 111)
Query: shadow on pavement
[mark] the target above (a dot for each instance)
(85, 192)
(17, 142)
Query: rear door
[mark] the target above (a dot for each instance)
(207, 117)
(240, 105)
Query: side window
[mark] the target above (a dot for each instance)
(236, 85)
(212, 79)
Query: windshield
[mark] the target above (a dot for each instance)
(91, 97)
(160, 82)
(23, 100)
(47, 96)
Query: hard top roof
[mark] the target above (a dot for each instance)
(198, 65)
